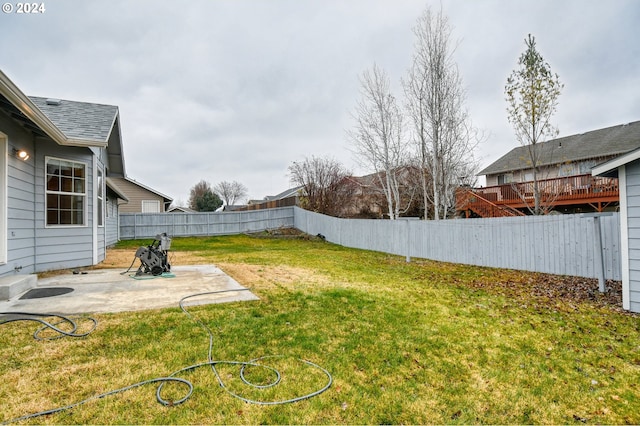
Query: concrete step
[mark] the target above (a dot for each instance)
(16, 284)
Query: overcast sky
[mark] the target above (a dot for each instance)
(238, 90)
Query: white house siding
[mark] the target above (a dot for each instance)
(19, 232)
(632, 177)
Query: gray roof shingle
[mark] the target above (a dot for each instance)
(601, 143)
(79, 120)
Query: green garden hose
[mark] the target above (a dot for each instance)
(22, 316)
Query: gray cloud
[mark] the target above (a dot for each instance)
(238, 89)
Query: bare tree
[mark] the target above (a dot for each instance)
(378, 138)
(532, 93)
(323, 184)
(230, 192)
(435, 97)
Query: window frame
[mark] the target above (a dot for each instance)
(84, 195)
(100, 197)
(155, 203)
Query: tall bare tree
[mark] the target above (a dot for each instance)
(323, 181)
(443, 133)
(378, 137)
(532, 93)
(230, 192)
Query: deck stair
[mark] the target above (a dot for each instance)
(468, 200)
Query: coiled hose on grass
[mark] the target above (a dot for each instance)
(173, 376)
(46, 325)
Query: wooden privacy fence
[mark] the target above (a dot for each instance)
(148, 225)
(584, 245)
(556, 244)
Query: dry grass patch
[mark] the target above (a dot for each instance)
(271, 277)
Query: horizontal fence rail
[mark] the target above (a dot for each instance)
(555, 244)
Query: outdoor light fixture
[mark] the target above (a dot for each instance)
(21, 154)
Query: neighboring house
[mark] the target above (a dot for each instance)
(56, 209)
(180, 209)
(286, 198)
(142, 199)
(354, 197)
(291, 192)
(364, 197)
(626, 169)
(231, 208)
(565, 179)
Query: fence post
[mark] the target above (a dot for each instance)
(599, 258)
(408, 259)
(409, 219)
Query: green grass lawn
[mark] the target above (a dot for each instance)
(420, 342)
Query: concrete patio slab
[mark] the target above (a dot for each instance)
(108, 290)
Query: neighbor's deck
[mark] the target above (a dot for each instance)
(516, 198)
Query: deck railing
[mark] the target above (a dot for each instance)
(580, 189)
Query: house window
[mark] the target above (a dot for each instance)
(567, 170)
(66, 192)
(505, 178)
(150, 206)
(100, 198)
(586, 166)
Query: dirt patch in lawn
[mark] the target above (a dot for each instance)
(271, 277)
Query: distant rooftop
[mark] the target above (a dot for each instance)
(607, 142)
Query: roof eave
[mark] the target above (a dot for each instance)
(28, 108)
(116, 189)
(135, 182)
(88, 143)
(606, 168)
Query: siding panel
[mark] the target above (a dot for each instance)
(20, 202)
(65, 246)
(633, 218)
